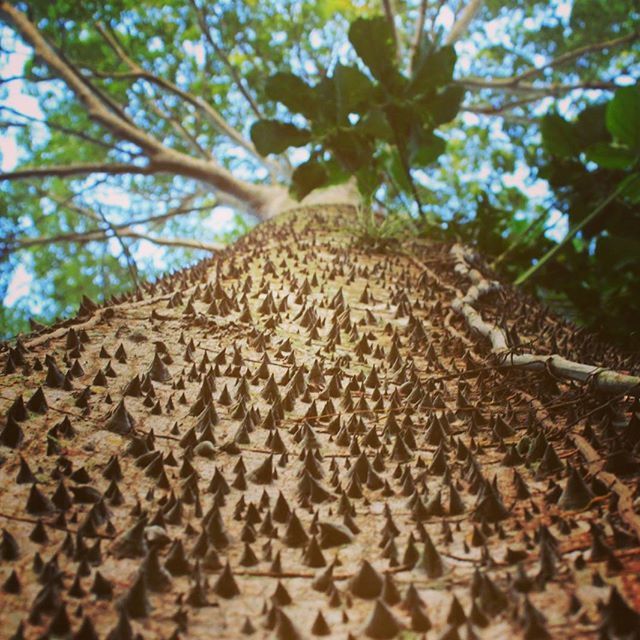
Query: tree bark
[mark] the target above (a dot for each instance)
(303, 403)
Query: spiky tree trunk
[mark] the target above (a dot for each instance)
(308, 435)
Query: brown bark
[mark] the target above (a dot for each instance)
(402, 435)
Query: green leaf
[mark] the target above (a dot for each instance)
(308, 176)
(293, 92)
(273, 136)
(631, 188)
(610, 157)
(368, 182)
(559, 137)
(433, 68)
(623, 117)
(372, 39)
(374, 123)
(445, 106)
(326, 97)
(424, 148)
(350, 149)
(353, 90)
(590, 125)
(618, 252)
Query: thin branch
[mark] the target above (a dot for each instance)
(461, 25)
(491, 110)
(549, 255)
(63, 129)
(436, 14)
(176, 125)
(419, 28)
(131, 263)
(513, 81)
(95, 107)
(546, 90)
(139, 73)
(100, 235)
(70, 170)
(201, 17)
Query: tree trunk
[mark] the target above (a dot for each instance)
(289, 435)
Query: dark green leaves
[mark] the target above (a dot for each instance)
(558, 136)
(353, 91)
(432, 68)
(445, 106)
(373, 41)
(293, 92)
(308, 176)
(424, 148)
(356, 122)
(623, 117)
(272, 136)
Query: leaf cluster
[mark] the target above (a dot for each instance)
(359, 122)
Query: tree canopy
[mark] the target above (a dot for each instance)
(503, 125)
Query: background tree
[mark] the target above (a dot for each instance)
(144, 112)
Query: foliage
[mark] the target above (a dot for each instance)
(362, 124)
(593, 164)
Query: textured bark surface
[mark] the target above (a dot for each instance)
(302, 437)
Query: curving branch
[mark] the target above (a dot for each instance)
(62, 128)
(417, 34)
(544, 90)
(389, 14)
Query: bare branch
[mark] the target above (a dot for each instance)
(100, 235)
(419, 28)
(544, 90)
(70, 170)
(201, 17)
(95, 107)
(513, 81)
(491, 110)
(63, 129)
(434, 18)
(461, 25)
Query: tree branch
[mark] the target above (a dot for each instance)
(61, 128)
(545, 90)
(419, 28)
(490, 110)
(95, 107)
(69, 170)
(462, 23)
(102, 235)
(516, 80)
(138, 72)
(161, 158)
(201, 17)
